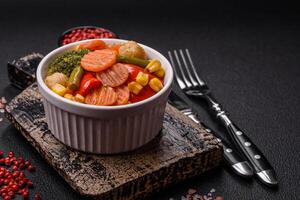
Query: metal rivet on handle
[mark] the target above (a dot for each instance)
(239, 133)
(247, 144)
(257, 157)
(228, 150)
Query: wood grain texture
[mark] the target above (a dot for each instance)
(182, 150)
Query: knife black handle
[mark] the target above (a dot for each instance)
(261, 166)
(239, 166)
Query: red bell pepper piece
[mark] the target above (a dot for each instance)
(88, 83)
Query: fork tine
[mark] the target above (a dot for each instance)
(193, 68)
(185, 79)
(178, 79)
(193, 81)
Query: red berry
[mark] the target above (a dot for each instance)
(11, 183)
(27, 163)
(26, 180)
(14, 188)
(11, 154)
(15, 163)
(1, 154)
(11, 193)
(15, 168)
(16, 174)
(7, 162)
(22, 166)
(31, 168)
(37, 197)
(6, 181)
(30, 184)
(25, 194)
(6, 197)
(21, 160)
(2, 161)
(3, 190)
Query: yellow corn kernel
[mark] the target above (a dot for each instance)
(153, 66)
(142, 78)
(69, 96)
(135, 87)
(59, 89)
(69, 91)
(79, 98)
(156, 84)
(160, 73)
(77, 47)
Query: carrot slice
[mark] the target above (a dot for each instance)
(115, 47)
(123, 94)
(114, 76)
(99, 60)
(104, 96)
(93, 45)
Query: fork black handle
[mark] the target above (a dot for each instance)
(261, 166)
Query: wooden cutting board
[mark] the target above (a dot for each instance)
(182, 150)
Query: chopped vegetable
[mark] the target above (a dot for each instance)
(67, 62)
(93, 45)
(59, 89)
(145, 93)
(88, 83)
(135, 87)
(160, 73)
(69, 96)
(133, 60)
(153, 66)
(105, 74)
(114, 76)
(99, 60)
(79, 98)
(123, 95)
(75, 78)
(132, 49)
(115, 47)
(56, 78)
(142, 78)
(104, 96)
(68, 91)
(155, 84)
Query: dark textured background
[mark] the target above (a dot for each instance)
(248, 53)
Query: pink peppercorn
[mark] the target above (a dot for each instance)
(85, 33)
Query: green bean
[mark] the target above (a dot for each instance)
(75, 78)
(133, 60)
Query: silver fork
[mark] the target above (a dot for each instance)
(193, 86)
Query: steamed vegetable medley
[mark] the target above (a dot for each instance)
(100, 74)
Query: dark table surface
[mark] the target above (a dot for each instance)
(249, 57)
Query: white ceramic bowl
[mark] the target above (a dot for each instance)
(104, 129)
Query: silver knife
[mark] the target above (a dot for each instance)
(237, 164)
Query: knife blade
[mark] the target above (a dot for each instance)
(232, 158)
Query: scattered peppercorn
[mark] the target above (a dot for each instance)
(193, 195)
(84, 33)
(37, 197)
(13, 180)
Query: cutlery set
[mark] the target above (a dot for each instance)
(194, 87)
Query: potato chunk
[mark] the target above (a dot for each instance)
(55, 78)
(132, 49)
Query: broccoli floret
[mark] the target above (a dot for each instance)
(67, 62)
